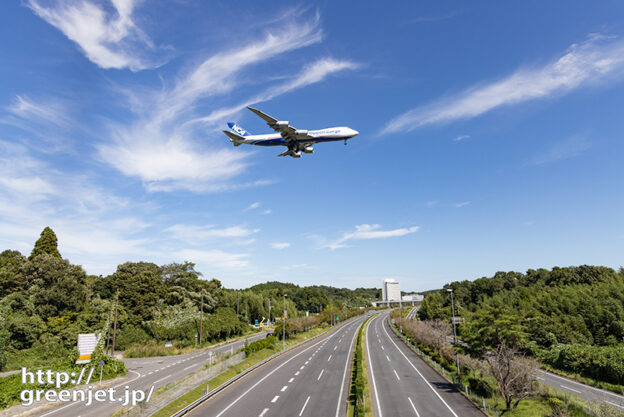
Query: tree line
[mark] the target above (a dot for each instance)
(45, 301)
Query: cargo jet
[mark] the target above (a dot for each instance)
(296, 140)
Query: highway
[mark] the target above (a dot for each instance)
(311, 380)
(143, 374)
(586, 392)
(403, 385)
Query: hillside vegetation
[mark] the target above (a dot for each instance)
(45, 301)
(570, 318)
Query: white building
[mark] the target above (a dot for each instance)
(390, 290)
(413, 297)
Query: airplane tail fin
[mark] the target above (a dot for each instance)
(238, 129)
(234, 138)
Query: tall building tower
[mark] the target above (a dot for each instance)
(390, 290)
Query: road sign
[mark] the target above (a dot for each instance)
(337, 318)
(458, 320)
(101, 363)
(168, 344)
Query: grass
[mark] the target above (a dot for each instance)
(223, 377)
(368, 408)
(154, 348)
(618, 389)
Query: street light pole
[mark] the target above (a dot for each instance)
(269, 323)
(454, 333)
(284, 326)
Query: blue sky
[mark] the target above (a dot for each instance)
(490, 137)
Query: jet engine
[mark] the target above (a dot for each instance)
(296, 154)
(308, 149)
(301, 132)
(282, 123)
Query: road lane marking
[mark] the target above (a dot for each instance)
(328, 359)
(415, 410)
(335, 347)
(303, 366)
(319, 377)
(382, 348)
(304, 406)
(263, 412)
(617, 405)
(421, 375)
(571, 389)
(263, 378)
(387, 357)
(397, 375)
(583, 385)
(161, 379)
(370, 365)
(297, 373)
(284, 388)
(291, 380)
(189, 367)
(275, 398)
(307, 362)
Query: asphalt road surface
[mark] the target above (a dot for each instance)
(145, 373)
(311, 380)
(584, 391)
(403, 385)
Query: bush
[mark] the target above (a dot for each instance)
(268, 343)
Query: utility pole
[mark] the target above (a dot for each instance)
(201, 316)
(110, 313)
(115, 325)
(284, 326)
(269, 320)
(237, 296)
(454, 333)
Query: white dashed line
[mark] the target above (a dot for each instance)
(617, 405)
(297, 373)
(161, 379)
(387, 357)
(397, 375)
(291, 380)
(415, 410)
(275, 398)
(263, 412)
(328, 359)
(319, 377)
(571, 389)
(284, 388)
(304, 406)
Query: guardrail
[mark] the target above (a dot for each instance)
(245, 372)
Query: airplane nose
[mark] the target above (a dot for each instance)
(354, 132)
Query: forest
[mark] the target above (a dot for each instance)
(45, 301)
(571, 318)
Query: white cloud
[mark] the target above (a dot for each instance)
(565, 149)
(109, 40)
(160, 148)
(461, 137)
(280, 245)
(52, 112)
(297, 266)
(462, 204)
(267, 211)
(311, 74)
(215, 258)
(367, 231)
(597, 59)
(253, 206)
(432, 203)
(197, 234)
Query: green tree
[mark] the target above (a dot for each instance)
(47, 243)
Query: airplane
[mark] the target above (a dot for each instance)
(296, 140)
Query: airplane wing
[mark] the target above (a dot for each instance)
(288, 132)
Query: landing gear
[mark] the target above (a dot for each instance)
(345, 142)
